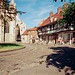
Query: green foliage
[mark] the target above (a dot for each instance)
(69, 16)
(9, 46)
(5, 4)
(63, 0)
(63, 6)
(20, 12)
(56, 0)
(61, 22)
(35, 26)
(6, 7)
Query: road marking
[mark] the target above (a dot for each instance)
(18, 53)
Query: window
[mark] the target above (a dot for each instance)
(55, 19)
(29, 31)
(33, 30)
(37, 36)
(52, 19)
(6, 29)
(31, 36)
(55, 26)
(23, 38)
(50, 27)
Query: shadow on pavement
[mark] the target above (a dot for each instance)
(63, 58)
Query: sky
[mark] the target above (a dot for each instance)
(36, 10)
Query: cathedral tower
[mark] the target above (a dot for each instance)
(12, 23)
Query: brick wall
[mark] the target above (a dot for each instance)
(32, 35)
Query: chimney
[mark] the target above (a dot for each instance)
(59, 10)
(65, 6)
(51, 13)
(43, 20)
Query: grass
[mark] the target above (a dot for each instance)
(9, 46)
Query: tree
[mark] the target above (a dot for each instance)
(61, 22)
(35, 26)
(63, 0)
(68, 16)
(5, 5)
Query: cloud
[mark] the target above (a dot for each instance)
(38, 13)
(42, 9)
(36, 20)
(36, 10)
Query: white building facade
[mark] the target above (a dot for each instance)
(11, 26)
(20, 28)
(7, 25)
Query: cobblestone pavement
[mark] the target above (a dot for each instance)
(28, 61)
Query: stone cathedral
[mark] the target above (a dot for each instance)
(11, 26)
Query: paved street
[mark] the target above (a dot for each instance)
(32, 60)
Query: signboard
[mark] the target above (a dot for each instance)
(50, 32)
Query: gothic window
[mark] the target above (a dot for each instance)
(31, 36)
(6, 29)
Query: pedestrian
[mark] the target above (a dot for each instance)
(60, 41)
(37, 41)
(63, 41)
(54, 42)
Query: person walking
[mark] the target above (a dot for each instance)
(63, 41)
(54, 42)
(60, 41)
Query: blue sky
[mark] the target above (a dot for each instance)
(36, 10)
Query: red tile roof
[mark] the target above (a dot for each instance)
(47, 21)
(55, 15)
(32, 29)
(58, 16)
(26, 31)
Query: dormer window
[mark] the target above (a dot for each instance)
(52, 19)
(55, 19)
(29, 31)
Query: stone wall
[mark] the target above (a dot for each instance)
(24, 38)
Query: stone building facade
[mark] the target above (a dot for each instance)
(30, 36)
(24, 37)
(20, 28)
(10, 24)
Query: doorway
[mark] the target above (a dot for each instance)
(18, 37)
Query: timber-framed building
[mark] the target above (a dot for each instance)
(50, 32)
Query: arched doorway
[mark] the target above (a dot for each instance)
(18, 37)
